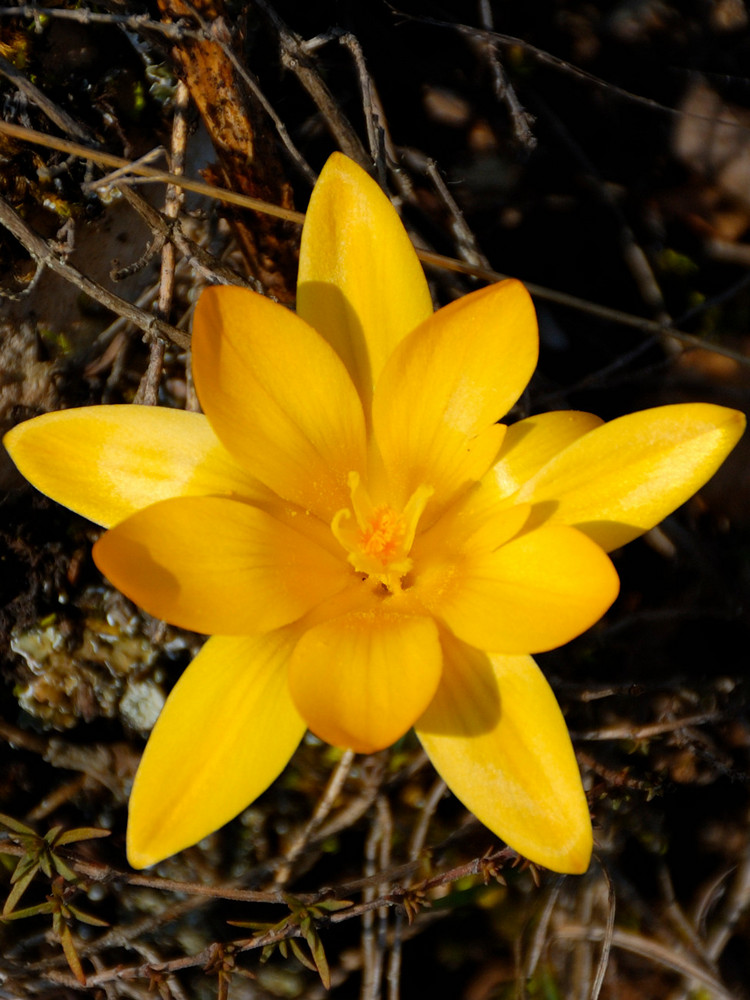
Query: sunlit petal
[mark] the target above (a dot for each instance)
(106, 462)
(361, 680)
(531, 443)
(449, 381)
(627, 475)
(496, 735)
(537, 592)
(226, 732)
(278, 397)
(218, 566)
(360, 283)
(473, 525)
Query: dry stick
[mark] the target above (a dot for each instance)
(124, 937)
(55, 114)
(199, 960)
(142, 23)
(416, 843)
(295, 58)
(110, 180)
(41, 252)
(654, 951)
(736, 903)
(633, 254)
(108, 340)
(173, 984)
(102, 873)
(148, 390)
(371, 956)
(353, 811)
(200, 260)
(539, 939)
(132, 22)
(708, 896)
(117, 162)
(520, 118)
(384, 859)
(582, 959)
(686, 930)
(651, 326)
(382, 148)
(565, 67)
(607, 313)
(649, 731)
(607, 941)
(378, 138)
(178, 32)
(378, 132)
(464, 238)
(383, 151)
(377, 854)
(323, 808)
(254, 87)
(105, 874)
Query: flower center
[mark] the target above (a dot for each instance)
(378, 538)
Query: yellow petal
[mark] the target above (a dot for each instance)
(475, 524)
(534, 593)
(278, 397)
(360, 283)
(218, 566)
(448, 382)
(226, 732)
(626, 476)
(531, 443)
(497, 737)
(361, 680)
(106, 462)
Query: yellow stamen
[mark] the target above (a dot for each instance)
(378, 539)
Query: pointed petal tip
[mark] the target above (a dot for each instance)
(496, 735)
(624, 477)
(210, 755)
(147, 844)
(573, 858)
(278, 397)
(139, 857)
(107, 462)
(577, 862)
(360, 283)
(340, 163)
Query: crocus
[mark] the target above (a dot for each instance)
(369, 549)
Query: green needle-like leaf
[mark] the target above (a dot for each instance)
(19, 888)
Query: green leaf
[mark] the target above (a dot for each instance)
(21, 885)
(301, 956)
(253, 925)
(87, 918)
(268, 951)
(333, 905)
(15, 826)
(44, 863)
(66, 940)
(32, 911)
(62, 868)
(321, 962)
(29, 862)
(79, 834)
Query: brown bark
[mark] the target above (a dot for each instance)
(248, 161)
